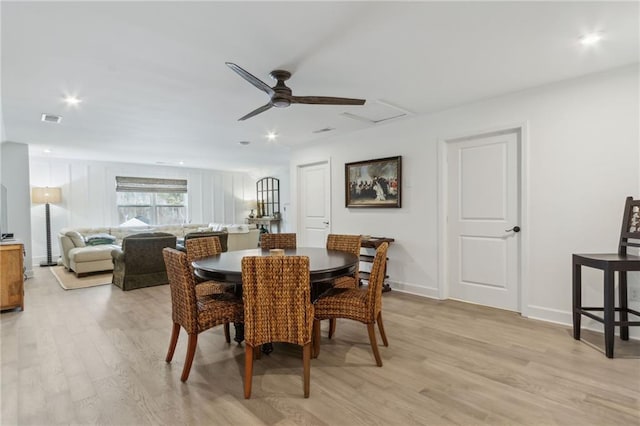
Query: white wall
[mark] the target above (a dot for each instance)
(89, 197)
(583, 160)
(14, 175)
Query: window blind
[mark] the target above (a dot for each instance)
(138, 184)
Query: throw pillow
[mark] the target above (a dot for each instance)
(99, 239)
(76, 238)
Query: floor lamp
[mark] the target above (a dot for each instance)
(46, 196)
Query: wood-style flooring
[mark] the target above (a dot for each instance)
(96, 356)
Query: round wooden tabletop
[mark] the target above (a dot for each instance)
(324, 265)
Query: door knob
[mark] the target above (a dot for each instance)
(514, 229)
(326, 223)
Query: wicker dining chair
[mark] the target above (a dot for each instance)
(278, 241)
(198, 248)
(195, 314)
(277, 308)
(349, 244)
(359, 304)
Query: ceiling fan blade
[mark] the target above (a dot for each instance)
(251, 78)
(263, 108)
(325, 100)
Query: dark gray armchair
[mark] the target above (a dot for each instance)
(139, 263)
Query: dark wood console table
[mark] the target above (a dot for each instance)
(374, 242)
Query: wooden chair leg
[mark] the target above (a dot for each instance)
(248, 369)
(381, 328)
(622, 300)
(174, 340)
(258, 352)
(315, 338)
(332, 327)
(577, 298)
(306, 365)
(374, 344)
(191, 351)
(227, 334)
(609, 311)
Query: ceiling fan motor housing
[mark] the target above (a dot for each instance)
(282, 92)
(280, 102)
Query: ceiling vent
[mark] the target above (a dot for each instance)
(50, 118)
(377, 112)
(323, 130)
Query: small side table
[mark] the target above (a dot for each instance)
(374, 242)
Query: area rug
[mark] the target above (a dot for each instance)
(69, 281)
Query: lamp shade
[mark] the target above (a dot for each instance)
(46, 195)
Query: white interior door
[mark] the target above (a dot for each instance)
(314, 204)
(483, 209)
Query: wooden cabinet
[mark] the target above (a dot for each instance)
(11, 275)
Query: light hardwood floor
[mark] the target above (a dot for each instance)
(96, 355)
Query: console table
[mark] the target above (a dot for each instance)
(269, 221)
(374, 242)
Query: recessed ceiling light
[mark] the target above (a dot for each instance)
(181, 163)
(72, 100)
(272, 136)
(245, 143)
(590, 39)
(47, 151)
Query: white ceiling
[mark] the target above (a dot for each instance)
(155, 87)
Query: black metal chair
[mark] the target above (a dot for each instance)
(609, 263)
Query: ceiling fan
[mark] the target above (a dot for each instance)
(280, 95)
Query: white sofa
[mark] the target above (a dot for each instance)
(81, 258)
(242, 237)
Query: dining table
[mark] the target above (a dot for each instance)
(324, 266)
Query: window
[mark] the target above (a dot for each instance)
(152, 201)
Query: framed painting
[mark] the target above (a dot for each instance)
(373, 183)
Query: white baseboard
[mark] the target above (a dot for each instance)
(549, 315)
(565, 318)
(431, 292)
(540, 313)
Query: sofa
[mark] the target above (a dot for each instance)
(139, 262)
(82, 258)
(242, 237)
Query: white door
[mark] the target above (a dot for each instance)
(483, 194)
(314, 204)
